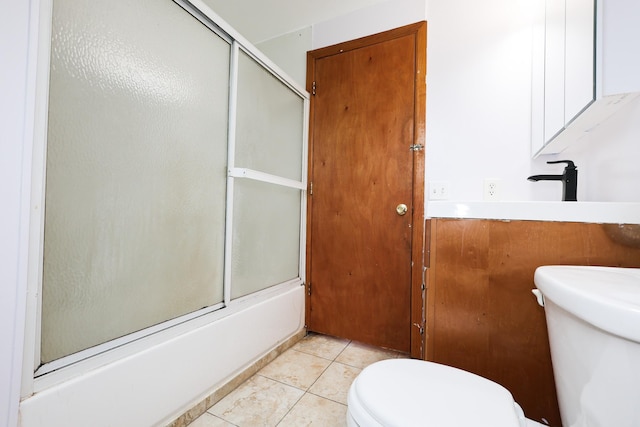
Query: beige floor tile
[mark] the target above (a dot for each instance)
(334, 383)
(361, 355)
(296, 368)
(313, 410)
(321, 345)
(208, 420)
(259, 401)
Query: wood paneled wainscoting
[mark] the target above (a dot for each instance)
(481, 315)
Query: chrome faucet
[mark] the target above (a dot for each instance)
(569, 180)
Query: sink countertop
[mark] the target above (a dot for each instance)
(595, 212)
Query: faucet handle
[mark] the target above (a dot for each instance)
(569, 163)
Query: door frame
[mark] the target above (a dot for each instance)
(419, 32)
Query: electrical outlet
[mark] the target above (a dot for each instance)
(491, 189)
(438, 190)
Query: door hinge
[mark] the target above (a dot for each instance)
(416, 147)
(311, 188)
(313, 88)
(309, 289)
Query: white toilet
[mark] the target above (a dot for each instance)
(593, 319)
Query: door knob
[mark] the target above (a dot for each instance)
(401, 209)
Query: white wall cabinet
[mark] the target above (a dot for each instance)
(585, 68)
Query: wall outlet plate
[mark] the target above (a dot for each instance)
(438, 190)
(491, 189)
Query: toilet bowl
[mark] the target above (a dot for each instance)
(592, 316)
(406, 392)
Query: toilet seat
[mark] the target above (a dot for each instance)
(406, 392)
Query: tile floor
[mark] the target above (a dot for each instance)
(306, 385)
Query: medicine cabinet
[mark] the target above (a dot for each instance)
(585, 68)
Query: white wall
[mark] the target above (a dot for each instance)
(479, 96)
(363, 22)
(289, 52)
(608, 158)
(479, 111)
(260, 20)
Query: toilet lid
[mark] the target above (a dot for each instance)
(405, 392)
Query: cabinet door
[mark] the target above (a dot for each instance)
(579, 89)
(554, 68)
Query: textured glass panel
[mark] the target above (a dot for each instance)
(266, 236)
(269, 123)
(135, 185)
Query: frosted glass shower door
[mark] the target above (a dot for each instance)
(267, 203)
(136, 171)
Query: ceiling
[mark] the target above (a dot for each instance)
(260, 20)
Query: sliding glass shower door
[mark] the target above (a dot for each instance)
(137, 172)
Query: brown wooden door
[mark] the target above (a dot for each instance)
(362, 167)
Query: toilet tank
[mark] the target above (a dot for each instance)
(593, 321)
